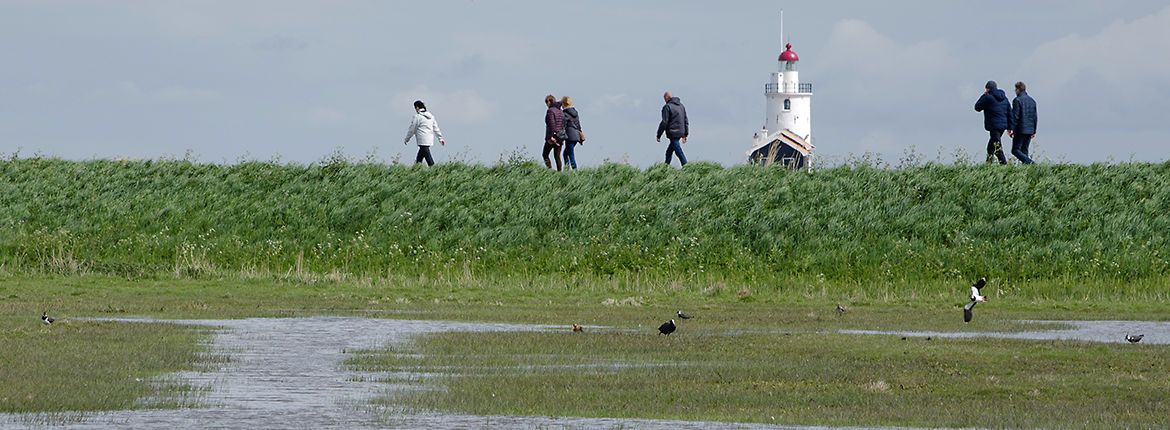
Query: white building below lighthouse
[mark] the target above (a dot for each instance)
(786, 137)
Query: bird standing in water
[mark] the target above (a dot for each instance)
(1135, 338)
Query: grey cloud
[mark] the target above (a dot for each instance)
(299, 77)
(281, 44)
(132, 92)
(1133, 51)
(455, 107)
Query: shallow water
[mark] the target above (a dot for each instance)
(1088, 331)
(288, 373)
(281, 373)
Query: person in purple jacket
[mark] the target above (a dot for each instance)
(554, 131)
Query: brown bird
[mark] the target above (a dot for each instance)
(577, 328)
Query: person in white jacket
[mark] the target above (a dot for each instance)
(424, 129)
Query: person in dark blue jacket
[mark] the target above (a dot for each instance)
(675, 125)
(996, 118)
(1023, 123)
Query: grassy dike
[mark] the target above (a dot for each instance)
(761, 255)
(743, 225)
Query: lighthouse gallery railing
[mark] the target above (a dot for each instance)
(803, 87)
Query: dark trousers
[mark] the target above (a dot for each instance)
(995, 147)
(556, 150)
(424, 152)
(675, 148)
(1020, 144)
(570, 155)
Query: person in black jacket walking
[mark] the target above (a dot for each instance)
(573, 134)
(554, 131)
(996, 118)
(675, 125)
(1023, 123)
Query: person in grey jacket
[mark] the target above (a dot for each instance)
(573, 134)
(424, 129)
(1023, 123)
(675, 125)
(996, 118)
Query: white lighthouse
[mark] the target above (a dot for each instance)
(787, 133)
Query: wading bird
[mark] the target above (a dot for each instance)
(969, 310)
(681, 315)
(841, 309)
(666, 327)
(1134, 338)
(45, 319)
(578, 328)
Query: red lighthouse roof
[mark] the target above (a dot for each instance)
(788, 54)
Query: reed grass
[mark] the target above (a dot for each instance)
(1102, 224)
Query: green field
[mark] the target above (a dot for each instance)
(761, 255)
(798, 376)
(86, 365)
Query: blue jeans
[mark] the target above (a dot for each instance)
(1020, 144)
(570, 156)
(676, 148)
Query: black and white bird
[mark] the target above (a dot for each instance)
(666, 327)
(841, 309)
(681, 315)
(1134, 338)
(45, 319)
(969, 309)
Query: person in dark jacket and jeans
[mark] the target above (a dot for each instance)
(1023, 123)
(554, 131)
(996, 118)
(573, 134)
(675, 125)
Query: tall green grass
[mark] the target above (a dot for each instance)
(856, 223)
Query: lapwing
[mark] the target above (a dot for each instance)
(1134, 338)
(577, 328)
(841, 309)
(681, 315)
(969, 309)
(45, 319)
(667, 327)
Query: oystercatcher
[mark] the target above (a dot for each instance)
(667, 327)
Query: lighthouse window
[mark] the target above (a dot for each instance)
(787, 104)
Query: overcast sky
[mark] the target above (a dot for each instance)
(296, 80)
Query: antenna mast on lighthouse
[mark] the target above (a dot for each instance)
(781, 27)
